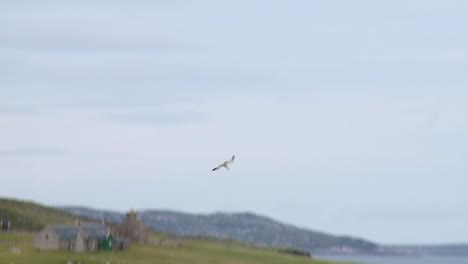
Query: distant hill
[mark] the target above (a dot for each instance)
(30, 216)
(246, 227)
(264, 231)
(460, 249)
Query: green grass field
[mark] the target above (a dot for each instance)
(17, 247)
(189, 251)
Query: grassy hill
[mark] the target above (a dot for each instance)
(17, 247)
(29, 216)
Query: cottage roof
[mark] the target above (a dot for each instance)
(65, 232)
(94, 230)
(90, 230)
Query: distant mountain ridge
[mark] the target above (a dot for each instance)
(453, 249)
(246, 227)
(264, 231)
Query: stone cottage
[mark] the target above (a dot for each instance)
(81, 238)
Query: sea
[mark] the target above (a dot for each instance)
(396, 260)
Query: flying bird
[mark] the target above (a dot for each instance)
(225, 164)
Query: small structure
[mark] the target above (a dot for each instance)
(5, 224)
(80, 238)
(96, 237)
(57, 237)
(132, 229)
(120, 244)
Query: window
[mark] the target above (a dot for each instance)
(46, 236)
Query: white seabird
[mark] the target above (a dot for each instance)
(225, 164)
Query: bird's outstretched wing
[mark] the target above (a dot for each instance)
(232, 159)
(217, 167)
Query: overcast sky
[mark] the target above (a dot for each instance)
(348, 117)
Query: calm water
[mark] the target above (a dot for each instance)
(399, 260)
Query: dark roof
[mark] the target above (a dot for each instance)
(90, 230)
(94, 230)
(65, 232)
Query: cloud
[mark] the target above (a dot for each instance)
(34, 152)
(151, 53)
(156, 117)
(67, 26)
(123, 78)
(18, 110)
(458, 56)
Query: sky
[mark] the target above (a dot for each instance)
(347, 117)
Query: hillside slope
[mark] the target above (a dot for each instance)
(29, 216)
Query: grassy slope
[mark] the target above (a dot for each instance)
(29, 216)
(190, 251)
